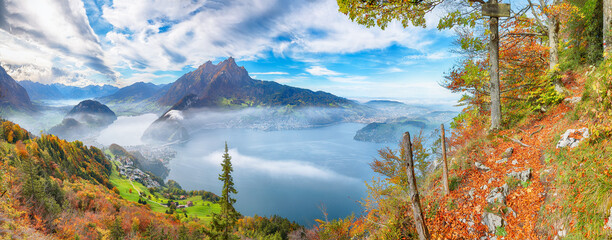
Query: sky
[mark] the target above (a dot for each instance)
(305, 43)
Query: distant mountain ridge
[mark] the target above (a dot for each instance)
(228, 85)
(133, 93)
(57, 91)
(13, 95)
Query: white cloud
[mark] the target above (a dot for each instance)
(142, 77)
(58, 30)
(437, 55)
(394, 70)
(148, 36)
(321, 71)
(349, 79)
(202, 31)
(270, 73)
(278, 169)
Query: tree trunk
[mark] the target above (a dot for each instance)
(444, 163)
(553, 39)
(553, 43)
(607, 24)
(419, 219)
(494, 72)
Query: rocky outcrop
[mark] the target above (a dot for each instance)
(481, 166)
(572, 137)
(498, 195)
(523, 176)
(492, 221)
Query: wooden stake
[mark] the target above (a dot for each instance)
(444, 163)
(419, 219)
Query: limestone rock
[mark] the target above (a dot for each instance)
(503, 160)
(523, 176)
(492, 221)
(573, 100)
(568, 138)
(498, 195)
(481, 166)
(491, 180)
(507, 153)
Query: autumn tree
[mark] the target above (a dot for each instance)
(222, 224)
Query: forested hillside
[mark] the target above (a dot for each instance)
(51, 188)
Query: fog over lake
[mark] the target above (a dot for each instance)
(290, 173)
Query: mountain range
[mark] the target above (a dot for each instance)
(56, 91)
(12, 95)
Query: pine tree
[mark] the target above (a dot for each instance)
(222, 224)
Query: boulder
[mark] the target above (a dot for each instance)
(508, 153)
(498, 195)
(572, 137)
(503, 160)
(481, 166)
(523, 176)
(573, 100)
(492, 221)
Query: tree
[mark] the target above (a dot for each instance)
(607, 16)
(223, 223)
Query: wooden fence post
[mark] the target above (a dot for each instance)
(419, 219)
(444, 163)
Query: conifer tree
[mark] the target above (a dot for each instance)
(222, 224)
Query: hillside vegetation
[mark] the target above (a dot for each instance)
(51, 188)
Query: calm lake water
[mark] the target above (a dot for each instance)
(291, 173)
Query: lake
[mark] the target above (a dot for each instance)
(291, 173)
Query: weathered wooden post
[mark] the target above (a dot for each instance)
(419, 219)
(444, 163)
(495, 11)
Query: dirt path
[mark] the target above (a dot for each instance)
(462, 215)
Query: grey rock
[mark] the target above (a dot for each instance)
(481, 166)
(484, 187)
(514, 162)
(492, 221)
(471, 193)
(498, 195)
(507, 153)
(567, 141)
(523, 176)
(573, 100)
(492, 179)
(503, 160)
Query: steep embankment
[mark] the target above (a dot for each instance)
(527, 192)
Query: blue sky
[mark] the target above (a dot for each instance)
(305, 43)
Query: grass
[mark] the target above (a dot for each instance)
(501, 231)
(200, 209)
(584, 184)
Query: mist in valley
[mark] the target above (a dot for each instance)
(289, 162)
